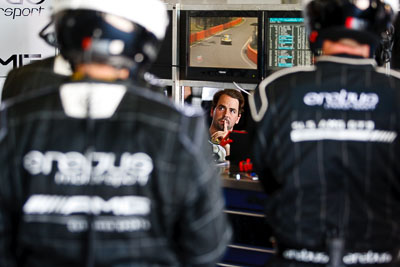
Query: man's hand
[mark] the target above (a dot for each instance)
(217, 137)
(222, 138)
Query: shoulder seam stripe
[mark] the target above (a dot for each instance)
(257, 116)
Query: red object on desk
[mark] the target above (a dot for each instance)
(246, 165)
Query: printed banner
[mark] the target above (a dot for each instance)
(20, 24)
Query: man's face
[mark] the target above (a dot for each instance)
(226, 111)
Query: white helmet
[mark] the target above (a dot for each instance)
(121, 33)
(150, 14)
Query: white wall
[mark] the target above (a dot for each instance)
(20, 24)
(221, 2)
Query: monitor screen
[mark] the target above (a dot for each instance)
(222, 45)
(213, 38)
(286, 40)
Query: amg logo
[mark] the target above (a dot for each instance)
(67, 205)
(18, 60)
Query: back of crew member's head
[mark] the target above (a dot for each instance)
(125, 34)
(365, 21)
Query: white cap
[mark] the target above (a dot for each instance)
(150, 14)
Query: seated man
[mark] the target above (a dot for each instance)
(226, 111)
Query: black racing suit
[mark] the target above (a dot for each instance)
(132, 184)
(327, 150)
(39, 74)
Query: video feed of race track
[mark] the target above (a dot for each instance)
(223, 42)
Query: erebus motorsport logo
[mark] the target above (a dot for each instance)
(96, 168)
(342, 100)
(22, 8)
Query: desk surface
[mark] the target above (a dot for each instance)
(244, 183)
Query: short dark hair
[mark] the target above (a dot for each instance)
(232, 93)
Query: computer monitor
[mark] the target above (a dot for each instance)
(286, 43)
(221, 46)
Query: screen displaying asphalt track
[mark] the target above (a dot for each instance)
(213, 53)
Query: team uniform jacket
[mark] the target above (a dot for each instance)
(98, 174)
(31, 77)
(327, 150)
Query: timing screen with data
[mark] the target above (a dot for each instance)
(287, 43)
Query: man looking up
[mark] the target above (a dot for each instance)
(226, 111)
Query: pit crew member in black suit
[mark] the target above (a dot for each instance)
(327, 143)
(101, 171)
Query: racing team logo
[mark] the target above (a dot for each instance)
(22, 8)
(21, 22)
(95, 168)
